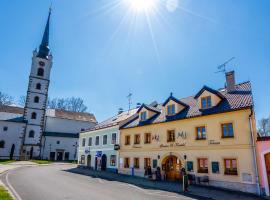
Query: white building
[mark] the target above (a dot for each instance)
(34, 131)
(98, 146)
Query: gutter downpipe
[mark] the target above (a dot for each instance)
(254, 153)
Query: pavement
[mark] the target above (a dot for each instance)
(67, 182)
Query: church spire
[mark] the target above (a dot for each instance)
(44, 46)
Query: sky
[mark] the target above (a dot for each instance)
(103, 50)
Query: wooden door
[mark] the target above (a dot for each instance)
(172, 168)
(267, 164)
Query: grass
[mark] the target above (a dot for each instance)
(6, 161)
(4, 195)
(41, 162)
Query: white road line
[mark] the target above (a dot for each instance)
(13, 191)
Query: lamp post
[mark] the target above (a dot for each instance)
(75, 152)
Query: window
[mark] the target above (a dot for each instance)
(143, 116)
(82, 159)
(113, 160)
(230, 167)
(5, 128)
(206, 102)
(105, 139)
(90, 141)
(147, 138)
(202, 165)
(36, 99)
(40, 72)
(97, 140)
(33, 115)
(171, 109)
(126, 163)
(83, 142)
(147, 162)
(127, 140)
(31, 134)
(136, 163)
(171, 136)
(200, 133)
(2, 144)
(137, 139)
(58, 142)
(114, 138)
(227, 130)
(82, 129)
(38, 86)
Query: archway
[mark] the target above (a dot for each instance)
(172, 165)
(89, 161)
(103, 162)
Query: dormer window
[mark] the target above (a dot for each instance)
(206, 102)
(171, 109)
(143, 116)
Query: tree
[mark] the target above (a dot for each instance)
(5, 99)
(74, 104)
(22, 100)
(264, 126)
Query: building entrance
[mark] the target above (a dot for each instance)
(267, 164)
(59, 156)
(172, 166)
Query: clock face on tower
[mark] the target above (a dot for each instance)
(41, 63)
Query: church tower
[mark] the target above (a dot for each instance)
(36, 99)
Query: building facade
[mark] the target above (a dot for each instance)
(263, 157)
(98, 146)
(35, 131)
(209, 134)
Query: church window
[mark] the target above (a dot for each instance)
(36, 99)
(2, 144)
(31, 134)
(5, 128)
(33, 115)
(38, 86)
(58, 142)
(40, 72)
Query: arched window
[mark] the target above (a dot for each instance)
(31, 134)
(33, 115)
(2, 144)
(38, 86)
(36, 99)
(40, 72)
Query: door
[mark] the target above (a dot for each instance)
(31, 153)
(59, 156)
(172, 168)
(66, 155)
(267, 164)
(52, 155)
(89, 161)
(103, 162)
(96, 163)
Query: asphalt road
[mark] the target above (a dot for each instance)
(53, 182)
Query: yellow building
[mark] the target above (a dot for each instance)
(209, 134)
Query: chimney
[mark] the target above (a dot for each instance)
(120, 110)
(230, 81)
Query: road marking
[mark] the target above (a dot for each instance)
(13, 191)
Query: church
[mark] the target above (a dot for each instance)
(35, 131)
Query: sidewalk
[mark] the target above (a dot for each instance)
(197, 192)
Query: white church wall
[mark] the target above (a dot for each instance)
(13, 135)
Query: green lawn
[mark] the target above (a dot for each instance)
(6, 161)
(4, 195)
(41, 162)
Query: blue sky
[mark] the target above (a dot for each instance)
(104, 49)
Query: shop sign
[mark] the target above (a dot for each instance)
(116, 147)
(98, 153)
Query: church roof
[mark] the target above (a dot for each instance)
(58, 134)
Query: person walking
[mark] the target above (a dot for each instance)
(185, 179)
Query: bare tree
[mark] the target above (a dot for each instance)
(74, 104)
(264, 126)
(22, 100)
(5, 99)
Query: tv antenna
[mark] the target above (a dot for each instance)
(222, 67)
(129, 101)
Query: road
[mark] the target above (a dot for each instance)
(53, 182)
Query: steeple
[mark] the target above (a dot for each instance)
(44, 49)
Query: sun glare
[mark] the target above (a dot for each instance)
(142, 5)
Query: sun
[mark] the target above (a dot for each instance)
(142, 5)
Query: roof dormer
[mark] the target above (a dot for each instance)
(146, 112)
(173, 106)
(208, 98)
